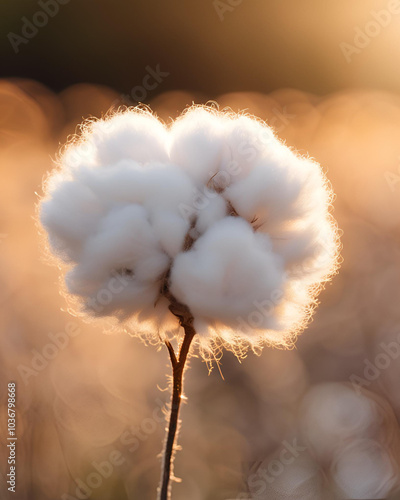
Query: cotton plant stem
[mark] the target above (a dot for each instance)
(178, 366)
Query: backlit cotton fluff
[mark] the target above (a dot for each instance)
(212, 212)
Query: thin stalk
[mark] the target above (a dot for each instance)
(178, 365)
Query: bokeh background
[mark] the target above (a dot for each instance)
(319, 422)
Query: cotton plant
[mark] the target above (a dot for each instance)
(209, 230)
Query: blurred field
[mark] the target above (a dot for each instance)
(93, 402)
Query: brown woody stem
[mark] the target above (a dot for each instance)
(178, 365)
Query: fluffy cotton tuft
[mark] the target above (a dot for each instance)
(213, 211)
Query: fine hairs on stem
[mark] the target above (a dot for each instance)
(178, 366)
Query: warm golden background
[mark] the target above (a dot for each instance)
(86, 403)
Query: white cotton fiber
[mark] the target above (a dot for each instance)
(226, 272)
(198, 144)
(69, 217)
(139, 137)
(125, 239)
(248, 141)
(171, 230)
(213, 212)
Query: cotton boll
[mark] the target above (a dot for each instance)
(168, 188)
(272, 192)
(297, 245)
(130, 135)
(214, 279)
(134, 298)
(125, 239)
(125, 246)
(197, 144)
(317, 264)
(214, 211)
(118, 295)
(263, 194)
(308, 251)
(125, 182)
(154, 317)
(156, 186)
(286, 198)
(169, 192)
(248, 141)
(121, 265)
(76, 154)
(69, 216)
(171, 230)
